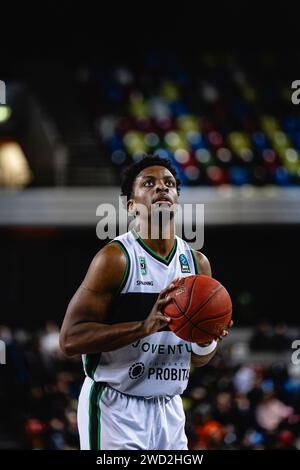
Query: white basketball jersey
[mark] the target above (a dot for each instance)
(158, 364)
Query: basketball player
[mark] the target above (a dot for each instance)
(135, 367)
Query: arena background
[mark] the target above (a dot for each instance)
(87, 94)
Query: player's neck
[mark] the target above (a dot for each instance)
(158, 239)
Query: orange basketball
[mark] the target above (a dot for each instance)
(200, 309)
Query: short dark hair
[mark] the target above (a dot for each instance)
(130, 173)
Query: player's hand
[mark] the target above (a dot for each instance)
(156, 319)
(225, 332)
(223, 335)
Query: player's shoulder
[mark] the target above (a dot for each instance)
(107, 269)
(203, 262)
(112, 256)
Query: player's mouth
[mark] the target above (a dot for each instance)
(163, 200)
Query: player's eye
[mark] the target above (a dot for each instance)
(148, 183)
(170, 183)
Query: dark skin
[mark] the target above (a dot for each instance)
(84, 329)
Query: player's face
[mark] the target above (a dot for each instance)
(154, 186)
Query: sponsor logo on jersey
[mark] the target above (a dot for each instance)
(185, 268)
(168, 373)
(144, 283)
(136, 370)
(163, 349)
(143, 266)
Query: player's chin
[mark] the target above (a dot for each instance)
(162, 210)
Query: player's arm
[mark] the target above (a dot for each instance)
(203, 264)
(85, 329)
(204, 268)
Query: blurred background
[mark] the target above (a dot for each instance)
(87, 93)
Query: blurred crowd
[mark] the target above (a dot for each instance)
(269, 337)
(243, 406)
(218, 119)
(229, 404)
(39, 388)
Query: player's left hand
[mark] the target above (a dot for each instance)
(223, 335)
(225, 332)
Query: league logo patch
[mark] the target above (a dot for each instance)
(185, 268)
(143, 266)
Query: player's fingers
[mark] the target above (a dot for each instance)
(164, 301)
(168, 288)
(163, 317)
(225, 332)
(172, 284)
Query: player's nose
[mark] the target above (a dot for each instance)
(161, 186)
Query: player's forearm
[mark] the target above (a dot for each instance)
(202, 354)
(92, 337)
(200, 361)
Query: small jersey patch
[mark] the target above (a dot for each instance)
(143, 266)
(185, 267)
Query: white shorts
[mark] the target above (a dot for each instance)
(110, 420)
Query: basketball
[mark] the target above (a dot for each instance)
(200, 309)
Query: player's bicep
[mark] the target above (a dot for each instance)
(88, 305)
(94, 296)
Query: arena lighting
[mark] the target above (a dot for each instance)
(216, 175)
(134, 141)
(291, 160)
(192, 172)
(188, 123)
(170, 91)
(210, 93)
(182, 156)
(238, 141)
(280, 139)
(194, 138)
(224, 155)
(259, 140)
(246, 154)
(5, 113)
(203, 155)
(151, 139)
(161, 152)
(118, 157)
(172, 139)
(269, 124)
(269, 155)
(138, 156)
(291, 155)
(14, 168)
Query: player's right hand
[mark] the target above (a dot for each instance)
(156, 319)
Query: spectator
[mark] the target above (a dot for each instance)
(262, 337)
(280, 340)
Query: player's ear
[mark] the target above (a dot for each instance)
(131, 208)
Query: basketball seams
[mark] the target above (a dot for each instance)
(181, 311)
(197, 325)
(198, 307)
(187, 323)
(205, 301)
(191, 294)
(190, 299)
(189, 319)
(215, 318)
(188, 306)
(208, 332)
